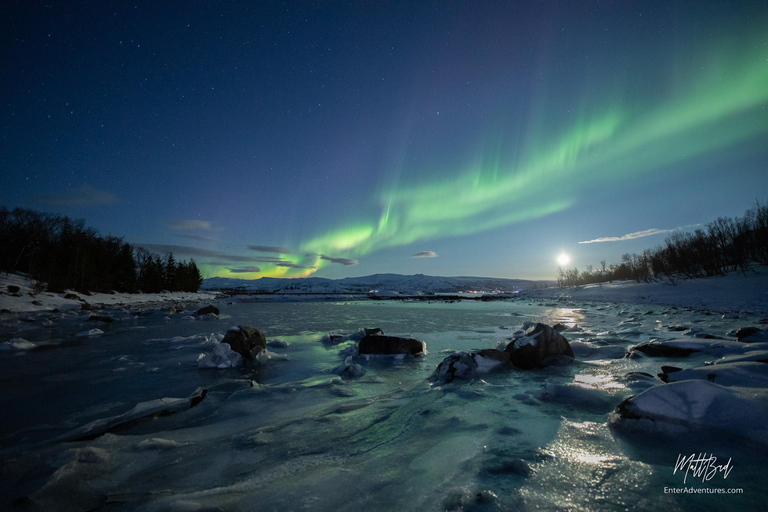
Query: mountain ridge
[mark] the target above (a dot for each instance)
(374, 283)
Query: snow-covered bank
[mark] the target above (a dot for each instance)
(731, 293)
(26, 300)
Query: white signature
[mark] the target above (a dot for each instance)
(704, 466)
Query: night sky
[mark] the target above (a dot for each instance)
(346, 139)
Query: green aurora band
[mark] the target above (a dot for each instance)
(723, 106)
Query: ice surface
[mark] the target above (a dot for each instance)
(90, 332)
(291, 434)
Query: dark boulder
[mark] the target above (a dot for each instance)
(210, 308)
(246, 341)
(390, 345)
(466, 365)
(100, 318)
(89, 307)
(373, 332)
(539, 343)
(12, 288)
(559, 327)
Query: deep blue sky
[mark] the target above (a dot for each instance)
(493, 134)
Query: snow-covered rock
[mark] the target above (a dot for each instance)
(18, 344)
(760, 356)
(540, 342)
(684, 348)
(222, 357)
(743, 373)
(466, 365)
(692, 406)
(246, 341)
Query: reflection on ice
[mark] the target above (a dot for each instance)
(604, 381)
(326, 431)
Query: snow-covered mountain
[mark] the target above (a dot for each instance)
(378, 283)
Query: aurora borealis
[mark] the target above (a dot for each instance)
(289, 139)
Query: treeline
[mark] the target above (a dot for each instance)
(66, 254)
(723, 246)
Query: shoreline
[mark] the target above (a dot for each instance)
(25, 301)
(729, 294)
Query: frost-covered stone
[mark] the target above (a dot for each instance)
(461, 365)
(18, 344)
(695, 406)
(759, 356)
(684, 348)
(540, 342)
(466, 365)
(749, 374)
(246, 341)
(222, 357)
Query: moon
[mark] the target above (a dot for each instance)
(563, 259)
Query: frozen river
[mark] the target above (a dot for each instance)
(83, 427)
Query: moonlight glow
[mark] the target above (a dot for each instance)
(720, 107)
(304, 144)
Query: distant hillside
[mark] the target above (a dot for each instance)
(377, 283)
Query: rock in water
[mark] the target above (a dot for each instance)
(461, 365)
(380, 344)
(246, 341)
(539, 343)
(210, 308)
(465, 365)
(100, 318)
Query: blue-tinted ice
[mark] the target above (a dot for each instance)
(104, 422)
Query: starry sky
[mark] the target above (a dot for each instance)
(338, 139)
